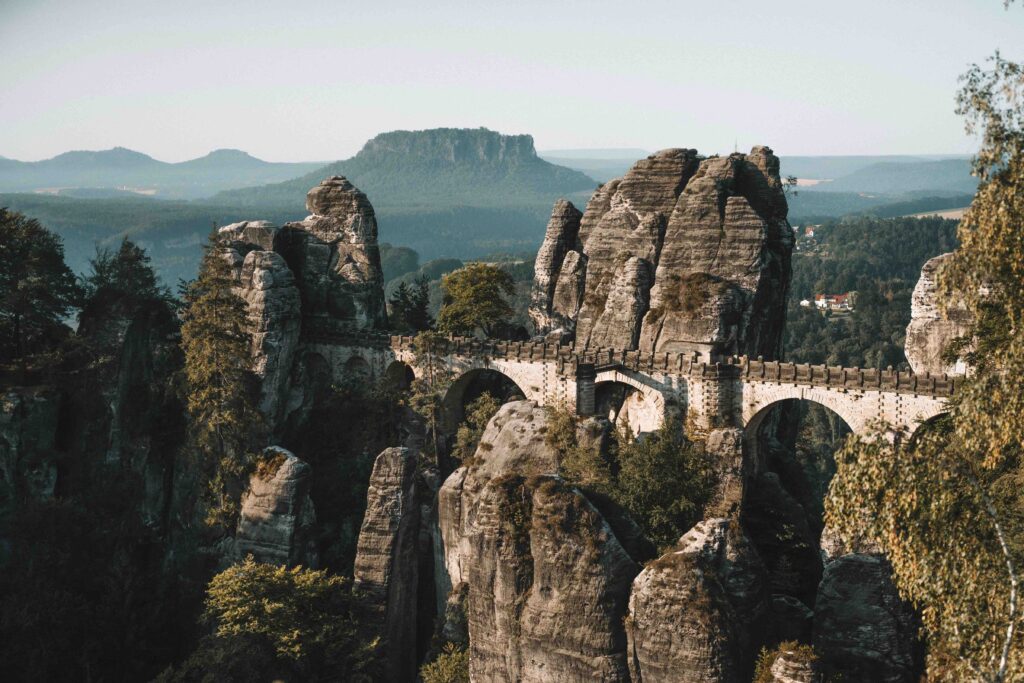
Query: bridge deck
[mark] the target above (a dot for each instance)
(569, 358)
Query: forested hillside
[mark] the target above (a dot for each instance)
(881, 260)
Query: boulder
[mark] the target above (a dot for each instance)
(386, 567)
(546, 579)
(931, 329)
(276, 521)
(694, 611)
(793, 666)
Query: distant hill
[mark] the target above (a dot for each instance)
(443, 167)
(895, 177)
(125, 170)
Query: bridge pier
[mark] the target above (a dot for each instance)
(586, 403)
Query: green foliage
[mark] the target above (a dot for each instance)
(947, 505)
(301, 622)
(409, 307)
(474, 299)
(794, 651)
(879, 259)
(663, 481)
(125, 274)
(451, 666)
(426, 395)
(83, 594)
(478, 414)
(225, 422)
(37, 289)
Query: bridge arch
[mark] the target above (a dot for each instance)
(398, 375)
(636, 399)
(472, 384)
(357, 369)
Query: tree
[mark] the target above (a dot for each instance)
(426, 396)
(451, 666)
(664, 481)
(410, 307)
(478, 414)
(37, 289)
(126, 273)
(946, 505)
(301, 623)
(474, 299)
(220, 384)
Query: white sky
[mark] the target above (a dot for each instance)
(303, 80)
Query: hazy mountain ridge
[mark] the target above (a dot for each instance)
(124, 168)
(893, 177)
(438, 167)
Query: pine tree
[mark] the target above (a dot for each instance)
(37, 289)
(125, 273)
(225, 422)
(410, 307)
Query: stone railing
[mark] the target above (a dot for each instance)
(569, 359)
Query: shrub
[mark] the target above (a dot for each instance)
(451, 666)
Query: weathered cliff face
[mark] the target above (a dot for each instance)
(680, 254)
(693, 612)
(546, 579)
(335, 258)
(318, 275)
(862, 630)
(276, 523)
(386, 565)
(28, 457)
(931, 330)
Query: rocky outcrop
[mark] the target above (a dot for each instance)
(680, 254)
(335, 258)
(546, 579)
(320, 275)
(274, 311)
(794, 666)
(276, 521)
(862, 630)
(931, 330)
(694, 611)
(28, 458)
(386, 566)
(547, 311)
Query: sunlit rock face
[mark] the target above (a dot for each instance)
(692, 612)
(546, 578)
(276, 522)
(931, 329)
(315, 276)
(680, 254)
(335, 258)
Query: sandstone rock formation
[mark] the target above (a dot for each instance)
(680, 254)
(693, 611)
(335, 258)
(862, 630)
(315, 276)
(550, 309)
(931, 330)
(791, 667)
(386, 566)
(28, 462)
(545, 576)
(275, 524)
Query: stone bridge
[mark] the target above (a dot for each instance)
(732, 392)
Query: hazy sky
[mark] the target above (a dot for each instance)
(303, 80)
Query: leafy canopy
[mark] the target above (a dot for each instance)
(474, 299)
(946, 505)
(225, 421)
(37, 289)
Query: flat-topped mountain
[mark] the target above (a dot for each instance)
(120, 168)
(442, 166)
